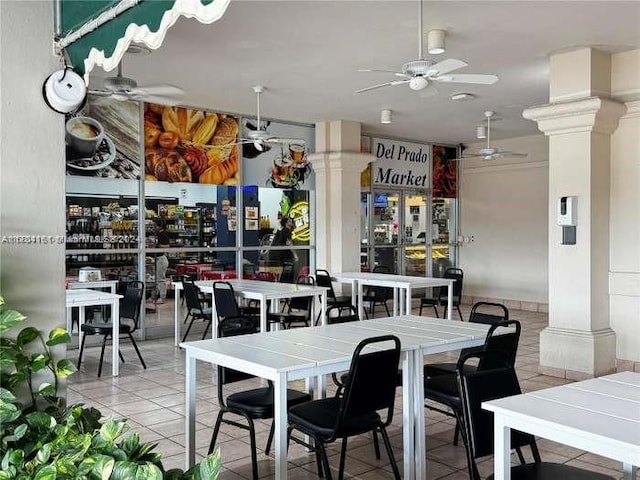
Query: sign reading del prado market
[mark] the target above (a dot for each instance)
(400, 164)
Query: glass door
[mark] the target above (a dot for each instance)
(443, 235)
(415, 234)
(385, 228)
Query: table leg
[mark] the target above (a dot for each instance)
(395, 302)
(69, 320)
(408, 414)
(450, 301)
(80, 323)
(360, 302)
(420, 446)
(280, 435)
(354, 295)
(630, 471)
(176, 316)
(407, 309)
(502, 449)
(115, 342)
(190, 411)
(323, 312)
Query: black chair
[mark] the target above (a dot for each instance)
(440, 293)
(372, 387)
(442, 387)
(323, 279)
(288, 273)
(478, 315)
(478, 385)
(378, 295)
(298, 309)
(338, 314)
(195, 308)
(251, 404)
(226, 302)
(130, 306)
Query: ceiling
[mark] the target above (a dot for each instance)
(307, 54)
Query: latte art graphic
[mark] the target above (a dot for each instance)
(84, 130)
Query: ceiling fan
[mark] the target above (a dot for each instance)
(419, 74)
(124, 88)
(258, 136)
(490, 153)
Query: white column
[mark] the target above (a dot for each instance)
(338, 164)
(579, 342)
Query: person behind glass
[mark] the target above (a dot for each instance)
(162, 262)
(282, 238)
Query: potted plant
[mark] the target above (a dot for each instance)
(42, 438)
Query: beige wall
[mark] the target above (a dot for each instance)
(503, 205)
(624, 254)
(31, 166)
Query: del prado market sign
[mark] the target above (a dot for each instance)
(400, 164)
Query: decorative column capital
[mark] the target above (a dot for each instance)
(594, 114)
(345, 161)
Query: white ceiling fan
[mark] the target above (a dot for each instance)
(260, 138)
(420, 73)
(489, 153)
(124, 88)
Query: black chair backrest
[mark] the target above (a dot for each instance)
(288, 273)
(484, 384)
(382, 293)
(191, 295)
(490, 317)
(302, 303)
(372, 381)
(132, 301)
(225, 300)
(339, 314)
(323, 279)
(230, 327)
(506, 343)
(455, 274)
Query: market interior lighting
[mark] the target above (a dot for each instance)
(435, 42)
(385, 116)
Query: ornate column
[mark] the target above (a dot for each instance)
(338, 164)
(579, 342)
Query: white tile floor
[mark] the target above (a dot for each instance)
(153, 401)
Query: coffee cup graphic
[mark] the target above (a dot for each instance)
(296, 151)
(83, 135)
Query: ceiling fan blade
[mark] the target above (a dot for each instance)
(172, 102)
(387, 84)
(446, 66)
(100, 93)
(512, 154)
(164, 90)
(285, 140)
(467, 78)
(397, 74)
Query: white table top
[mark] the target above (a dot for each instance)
(264, 290)
(97, 284)
(83, 295)
(392, 280)
(600, 415)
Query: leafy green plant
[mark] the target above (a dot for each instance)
(43, 439)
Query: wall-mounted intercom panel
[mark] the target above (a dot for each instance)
(567, 211)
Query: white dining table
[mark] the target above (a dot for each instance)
(600, 415)
(401, 303)
(286, 355)
(110, 284)
(85, 298)
(257, 290)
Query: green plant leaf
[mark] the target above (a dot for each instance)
(46, 390)
(6, 395)
(9, 319)
(112, 429)
(27, 335)
(210, 465)
(46, 473)
(124, 470)
(41, 420)
(102, 467)
(64, 368)
(149, 471)
(8, 413)
(174, 474)
(44, 453)
(38, 362)
(7, 358)
(58, 336)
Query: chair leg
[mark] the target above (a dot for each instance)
(520, 456)
(343, 454)
(184, 337)
(435, 309)
(204, 335)
(121, 356)
(376, 445)
(104, 343)
(216, 430)
(392, 458)
(267, 449)
(460, 313)
(135, 346)
(386, 307)
(84, 338)
(254, 449)
(456, 434)
(325, 459)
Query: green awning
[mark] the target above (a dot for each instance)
(98, 32)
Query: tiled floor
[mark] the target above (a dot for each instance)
(153, 401)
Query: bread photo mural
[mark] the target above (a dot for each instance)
(193, 146)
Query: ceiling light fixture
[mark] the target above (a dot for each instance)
(385, 116)
(481, 131)
(418, 83)
(462, 97)
(435, 42)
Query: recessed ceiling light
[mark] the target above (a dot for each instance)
(435, 42)
(462, 97)
(385, 116)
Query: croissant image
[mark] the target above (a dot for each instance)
(197, 159)
(226, 132)
(167, 166)
(182, 121)
(218, 173)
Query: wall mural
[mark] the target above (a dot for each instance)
(279, 165)
(102, 139)
(445, 172)
(192, 146)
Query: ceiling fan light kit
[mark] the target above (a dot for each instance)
(489, 153)
(385, 116)
(435, 42)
